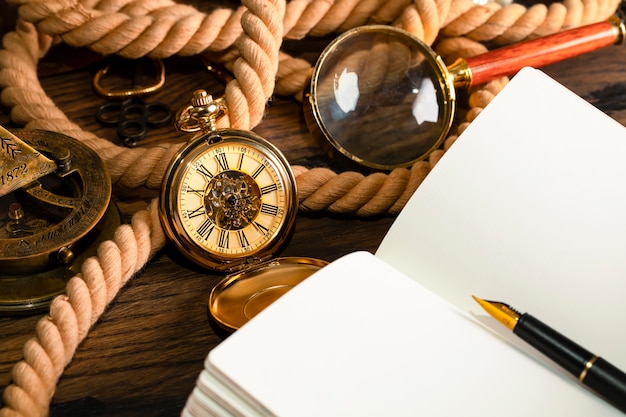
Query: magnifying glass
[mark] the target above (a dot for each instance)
(384, 99)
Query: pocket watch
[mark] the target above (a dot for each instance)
(229, 203)
(229, 196)
(55, 209)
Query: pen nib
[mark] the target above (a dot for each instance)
(504, 313)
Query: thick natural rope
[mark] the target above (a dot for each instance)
(164, 28)
(71, 316)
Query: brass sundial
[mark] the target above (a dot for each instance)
(55, 207)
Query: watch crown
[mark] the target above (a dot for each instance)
(201, 98)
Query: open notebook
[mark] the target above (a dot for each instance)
(529, 208)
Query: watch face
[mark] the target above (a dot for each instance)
(228, 196)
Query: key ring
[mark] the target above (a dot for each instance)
(135, 90)
(132, 116)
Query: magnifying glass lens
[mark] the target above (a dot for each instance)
(379, 97)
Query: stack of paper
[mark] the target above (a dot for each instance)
(528, 207)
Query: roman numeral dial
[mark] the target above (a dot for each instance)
(228, 199)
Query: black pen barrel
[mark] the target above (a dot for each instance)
(608, 381)
(553, 344)
(596, 373)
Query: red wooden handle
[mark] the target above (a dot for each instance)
(543, 51)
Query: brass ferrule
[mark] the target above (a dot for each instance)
(460, 74)
(619, 28)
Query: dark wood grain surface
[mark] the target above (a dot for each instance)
(143, 356)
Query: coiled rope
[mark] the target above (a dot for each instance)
(247, 40)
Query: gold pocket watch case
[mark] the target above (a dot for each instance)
(54, 212)
(229, 197)
(239, 297)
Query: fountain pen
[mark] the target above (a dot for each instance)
(596, 373)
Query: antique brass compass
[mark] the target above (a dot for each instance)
(228, 203)
(55, 196)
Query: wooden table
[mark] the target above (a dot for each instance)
(143, 356)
